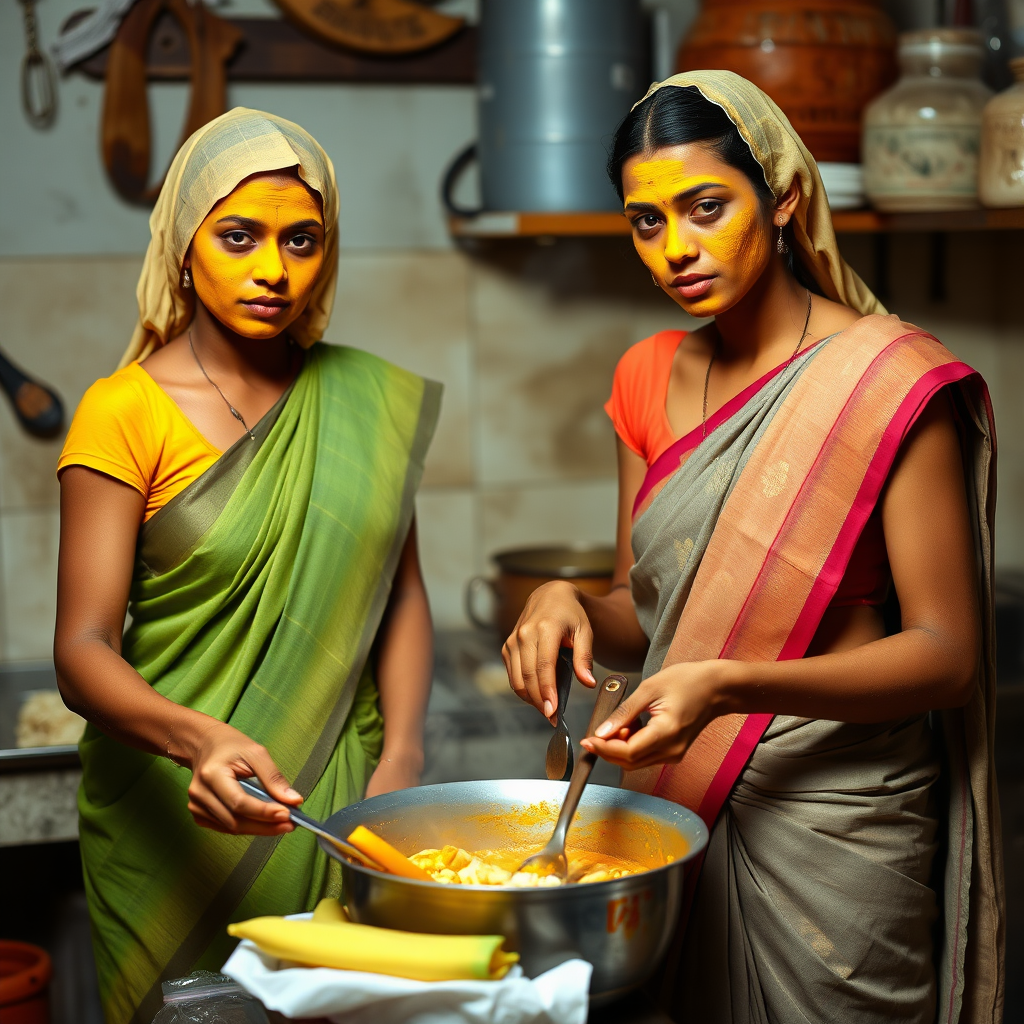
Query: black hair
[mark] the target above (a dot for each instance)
(676, 115)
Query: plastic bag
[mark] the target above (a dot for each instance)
(207, 998)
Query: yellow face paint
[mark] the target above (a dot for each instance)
(258, 254)
(698, 225)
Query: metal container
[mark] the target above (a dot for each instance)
(922, 136)
(622, 927)
(522, 570)
(555, 79)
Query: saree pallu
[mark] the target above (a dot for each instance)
(256, 598)
(853, 872)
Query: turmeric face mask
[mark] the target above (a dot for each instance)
(698, 225)
(257, 255)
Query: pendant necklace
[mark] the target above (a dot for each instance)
(234, 412)
(711, 362)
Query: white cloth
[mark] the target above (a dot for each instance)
(90, 34)
(356, 997)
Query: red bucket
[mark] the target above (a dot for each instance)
(24, 979)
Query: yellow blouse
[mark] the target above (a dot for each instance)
(128, 427)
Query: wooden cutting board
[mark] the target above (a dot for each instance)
(373, 26)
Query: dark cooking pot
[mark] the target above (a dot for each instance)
(522, 570)
(622, 927)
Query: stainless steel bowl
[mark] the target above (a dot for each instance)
(622, 927)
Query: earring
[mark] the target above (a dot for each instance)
(780, 244)
(186, 279)
(655, 280)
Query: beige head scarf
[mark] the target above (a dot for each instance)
(784, 159)
(207, 168)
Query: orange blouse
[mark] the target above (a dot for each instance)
(637, 409)
(128, 427)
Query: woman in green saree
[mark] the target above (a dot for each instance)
(246, 493)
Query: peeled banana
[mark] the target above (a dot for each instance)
(359, 947)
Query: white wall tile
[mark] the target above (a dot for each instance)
(447, 526)
(29, 540)
(67, 321)
(563, 513)
(413, 308)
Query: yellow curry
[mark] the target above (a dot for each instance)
(453, 866)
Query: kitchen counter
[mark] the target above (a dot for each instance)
(476, 729)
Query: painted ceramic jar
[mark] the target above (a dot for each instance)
(923, 136)
(820, 60)
(1001, 166)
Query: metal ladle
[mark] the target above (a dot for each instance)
(558, 761)
(551, 860)
(305, 821)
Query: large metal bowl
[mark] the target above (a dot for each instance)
(622, 927)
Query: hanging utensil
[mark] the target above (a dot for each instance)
(38, 408)
(558, 762)
(551, 860)
(38, 77)
(253, 788)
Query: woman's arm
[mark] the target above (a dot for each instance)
(930, 664)
(560, 615)
(405, 666)
(99, 523)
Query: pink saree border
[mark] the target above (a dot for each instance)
(669, 461)
(825, 586)
(828, 580)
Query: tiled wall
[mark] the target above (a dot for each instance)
(524, 337)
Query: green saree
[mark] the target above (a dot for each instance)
(257, 595)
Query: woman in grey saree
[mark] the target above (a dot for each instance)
(853, 872)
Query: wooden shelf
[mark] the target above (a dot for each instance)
(275, 50)
(534, 225)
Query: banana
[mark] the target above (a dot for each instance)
(330, 911)
(360, 947)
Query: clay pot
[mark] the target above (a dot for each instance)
(522, 570)
(821, 61)
(24, 979)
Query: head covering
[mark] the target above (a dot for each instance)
(784, 159)
(208, 167)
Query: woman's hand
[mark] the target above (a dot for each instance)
(681, 700)
(219, 757)
(395, 771)
(553, 618)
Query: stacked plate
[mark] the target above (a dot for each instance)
(844, 185)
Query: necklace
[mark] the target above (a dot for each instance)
(234, 412)
(711, 362)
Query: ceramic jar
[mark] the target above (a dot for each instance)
(820, 60)
(922, 137)
(1001, 166)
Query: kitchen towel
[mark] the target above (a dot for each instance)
(355, 997)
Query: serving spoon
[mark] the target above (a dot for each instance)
(558, 761)
(551, 860)
(253, 788)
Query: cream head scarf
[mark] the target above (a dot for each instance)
(207, 168)
(784, 159)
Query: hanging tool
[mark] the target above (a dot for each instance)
(38, 77)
